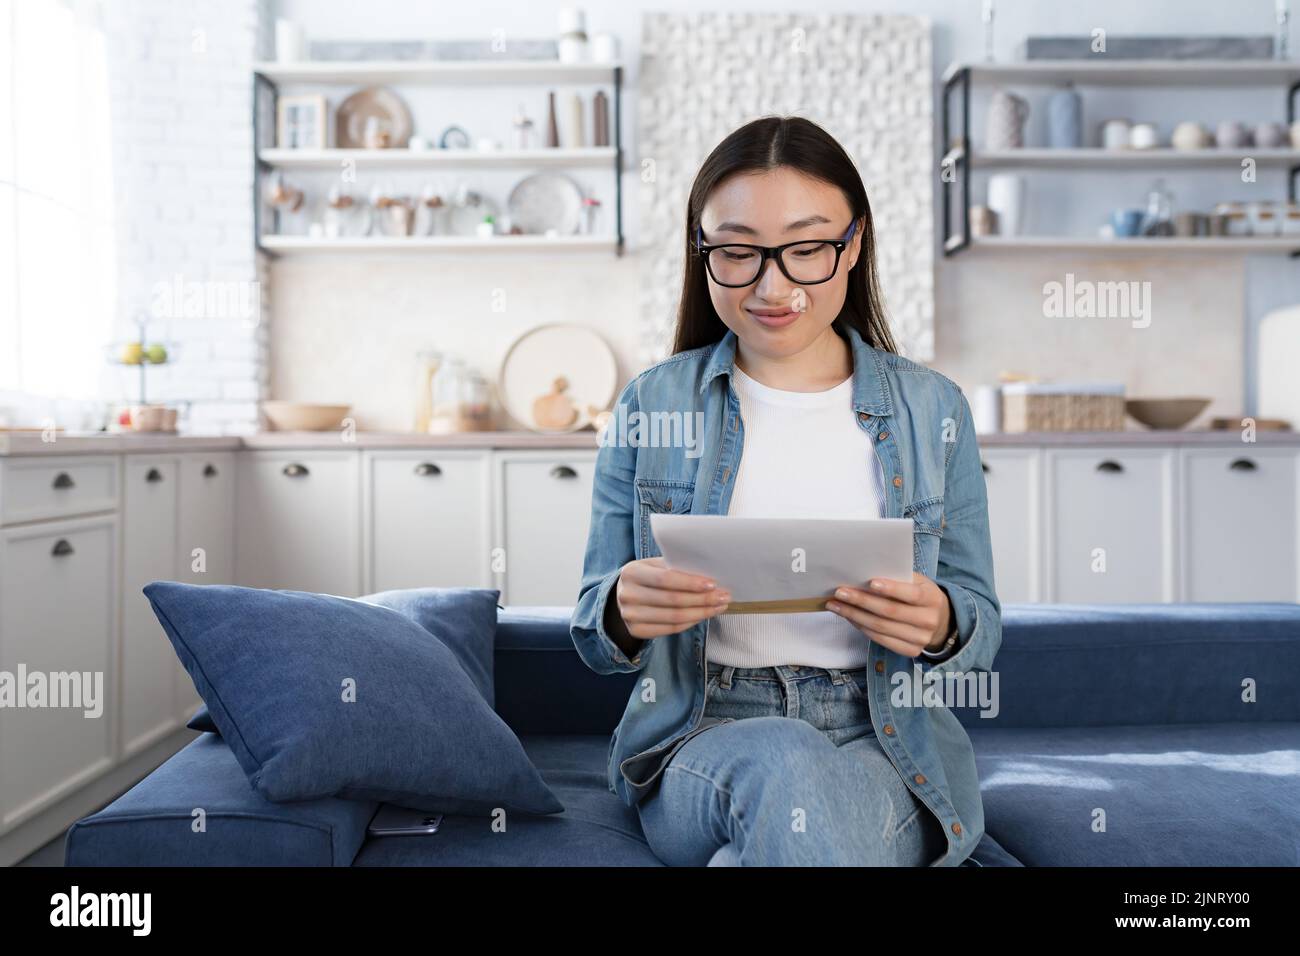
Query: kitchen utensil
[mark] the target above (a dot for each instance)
(545, 201)
(1190, 135)
(1143, 136)
(1005, 125)
(453, 137)
(552, 124)
(574, 137)
(1159, 218)
(1007, 200)
(604, 48)
(303, 416)
(1115, 134)
(469, 208)
(555, 411)
(983, 221)
(1166, 413)
(600, 119)
(1230, 134)
(537, 358)
(1271, 135)
(374, 102)
(1065, 119)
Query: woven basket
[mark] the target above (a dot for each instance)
(1062, 412)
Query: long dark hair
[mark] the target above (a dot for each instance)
(802, 145)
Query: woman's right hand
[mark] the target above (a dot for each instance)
(655, 600)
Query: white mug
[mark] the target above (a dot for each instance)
(1115, 134)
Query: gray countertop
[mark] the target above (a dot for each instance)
(30, 443)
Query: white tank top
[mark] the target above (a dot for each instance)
(804, 456)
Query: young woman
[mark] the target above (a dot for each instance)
(787, 738)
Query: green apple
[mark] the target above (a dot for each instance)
(157, 354)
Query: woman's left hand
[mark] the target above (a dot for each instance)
(902, 616)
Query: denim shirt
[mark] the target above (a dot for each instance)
(680, 456)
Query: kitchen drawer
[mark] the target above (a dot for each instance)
(427, 516)
(39, 488)
(1110, 529)
(58, 614)
(1239, 524)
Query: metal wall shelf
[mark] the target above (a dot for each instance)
(268, 77)
(960, 156)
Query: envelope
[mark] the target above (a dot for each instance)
(785, 565)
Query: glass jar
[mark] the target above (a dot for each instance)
(427, 363)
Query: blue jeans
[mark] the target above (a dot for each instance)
(796, 778)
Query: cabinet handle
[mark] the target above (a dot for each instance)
(984, 466)
(563, 471)
(1109, 465)
(209, 470)
(1243, 464)
(426, 468)
(61, 548)
(296, 471)
(154, 475)
(64, 480)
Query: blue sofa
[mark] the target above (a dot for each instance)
(1131, 715)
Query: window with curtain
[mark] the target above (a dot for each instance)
(57, 264)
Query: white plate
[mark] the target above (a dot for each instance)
(537, 357)
(546, 201)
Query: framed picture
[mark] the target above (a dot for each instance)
(302, 122)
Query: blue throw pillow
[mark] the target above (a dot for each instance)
(465, 619)
(323, 696)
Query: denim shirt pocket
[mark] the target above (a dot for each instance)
(927, 532)
(659, 496)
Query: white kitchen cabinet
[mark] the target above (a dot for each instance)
(1012, 480)
(1239, 524)
(1110, 535)
(542, 515)
(58, 613)
(205, 540)
(426, 519)
(299, 521)
(150, 494)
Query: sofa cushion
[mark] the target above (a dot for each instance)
(325, 696)
(595, 829)
(155, 822)
(1179, 795)
(453, 615)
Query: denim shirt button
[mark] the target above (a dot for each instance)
(898, 481)
(883, 436)
(956, 828)
(919, 778)
(889, 730)
(880, 667)
(863, 416)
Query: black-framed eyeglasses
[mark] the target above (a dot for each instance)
(806, 262)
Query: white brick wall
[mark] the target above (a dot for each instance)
(180, 87)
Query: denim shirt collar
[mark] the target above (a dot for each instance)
(870, 393)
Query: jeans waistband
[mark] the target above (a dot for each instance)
(781, 673)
